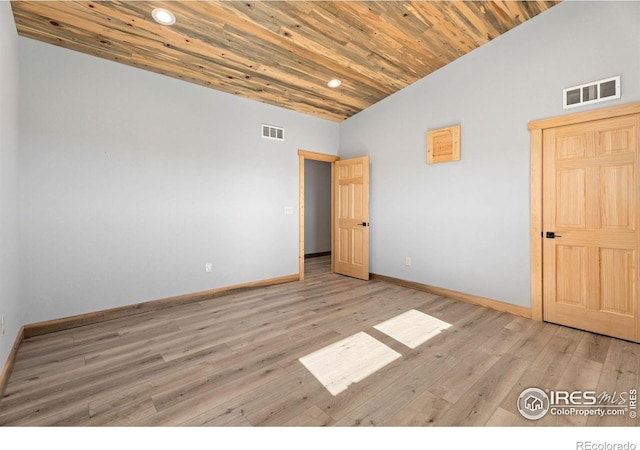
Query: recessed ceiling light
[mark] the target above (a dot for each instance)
(163, 16)
(334, 83)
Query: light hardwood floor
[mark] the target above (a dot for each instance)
(233, 361)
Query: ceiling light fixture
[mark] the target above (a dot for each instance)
(163, 16)
(334, 83)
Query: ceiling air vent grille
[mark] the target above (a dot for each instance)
(596, 91)
(271, 132)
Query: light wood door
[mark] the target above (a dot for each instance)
(351, 212)
(591, 269)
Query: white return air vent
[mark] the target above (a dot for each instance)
(596, 91)
(271, 132)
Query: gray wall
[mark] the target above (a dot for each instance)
(131, 182)
(317, 206)
(466, 224)
(9, 287)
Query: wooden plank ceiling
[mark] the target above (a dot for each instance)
(281, 52)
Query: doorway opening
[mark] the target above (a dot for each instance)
(315, 206)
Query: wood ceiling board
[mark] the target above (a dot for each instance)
(281, 52)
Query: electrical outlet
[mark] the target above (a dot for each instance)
(407, 260)
(208, 267)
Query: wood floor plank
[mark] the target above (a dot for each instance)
(285, 399)
(388, 401)
(545, 372)
(479, 403)
(501, 341)
(233, 360)
(140, 390)
(206, 408)
(229, 418)
(580, 375)
(44, 402)
(311, 417)
(75, 415)
(623, 356)
(594, 347)
(504, 418)
(252, 362)
(535, 339)
(392, 374)
(423, 411)
(455, 382)
(614, 388)
(29, 376)
(107, 341)
(115, 414)
(200, 403)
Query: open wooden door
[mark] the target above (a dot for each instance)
(591, 226)
(351, 217)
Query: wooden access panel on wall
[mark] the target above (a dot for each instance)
(443, 145)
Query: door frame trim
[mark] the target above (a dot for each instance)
(536, 129)
(302, 155)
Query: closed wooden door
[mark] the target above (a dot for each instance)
(351, 212)
(591, 258)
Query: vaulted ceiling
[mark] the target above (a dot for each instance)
(281, 52)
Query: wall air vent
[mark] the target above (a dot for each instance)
(596, 91)
(271, 132)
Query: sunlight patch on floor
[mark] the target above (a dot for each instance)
(412, 328)
(348, 361)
